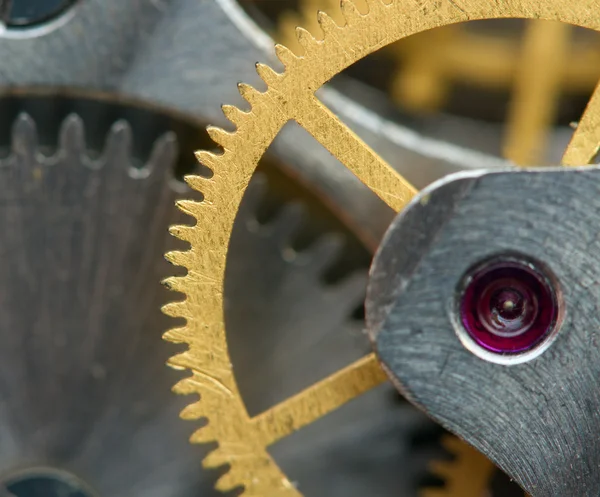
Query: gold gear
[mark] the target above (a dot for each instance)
(243, 440)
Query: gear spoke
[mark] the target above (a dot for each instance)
(585, 143)
(537, 89)
(356, 155)
(320, 399)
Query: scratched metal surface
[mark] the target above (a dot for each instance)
(537, 420)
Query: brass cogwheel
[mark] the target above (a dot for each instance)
(243, 440)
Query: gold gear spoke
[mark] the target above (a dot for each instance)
(585, 142)
(355, 154)
(320, 399)
(537, 90)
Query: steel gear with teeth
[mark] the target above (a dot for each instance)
(243, 439)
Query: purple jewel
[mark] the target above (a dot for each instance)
(508, 306)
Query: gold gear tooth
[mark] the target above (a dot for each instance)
(185, 386)
(180, 258)
(452, 444)
(208, 159)
(443, 469)
(182, 232)
(176, 283)
(190, 207)
(307, 41)
(204, 185)
(267, 74)
(250, 94)
(234, 115)
(191, 412)
(285, 55)
(176, 309)
(176, 335)
(220, 136)
(327, 23)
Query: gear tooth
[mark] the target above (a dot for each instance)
(208, 159)
(190, 207)
(216, 459)
(285, 55)
(175, 283)
(177, 335)
(181, 362)
(202, 435)
(176, 310)
(228, 481)
(24, 136)
(306, 40)
(185, 387)
(200, 184)
(72, 136)
(237, 116)
(351, 12)
(164, 154)
(179, 258)
(442, 469)
(249, 93)
(220, 136)
(327, 23)
(452, 444)
(183, 232)
(193, 412)
(267, 74)
(119, 141)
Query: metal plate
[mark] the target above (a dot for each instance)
(537, 420)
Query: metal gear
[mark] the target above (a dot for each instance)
(243, 439)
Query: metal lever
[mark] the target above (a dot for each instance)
(483, 306)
